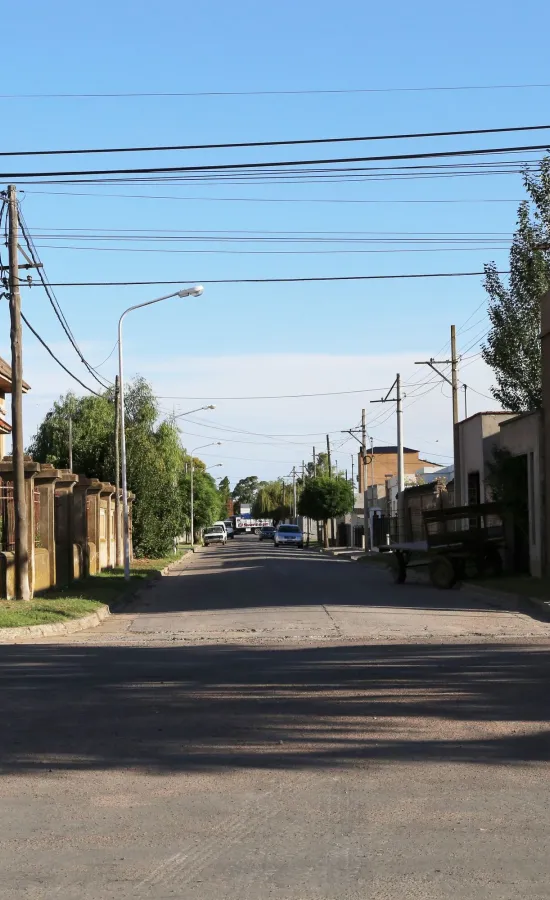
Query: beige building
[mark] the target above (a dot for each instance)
(382, 464)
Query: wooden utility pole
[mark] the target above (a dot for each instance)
(314, 464)
(118, 531)
(22, 589)
(329, 463)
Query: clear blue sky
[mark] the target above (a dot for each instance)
(213, 46)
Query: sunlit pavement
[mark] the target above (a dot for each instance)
(278, 724)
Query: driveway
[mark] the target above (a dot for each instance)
(278, 724)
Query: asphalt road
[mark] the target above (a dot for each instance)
(276, 724)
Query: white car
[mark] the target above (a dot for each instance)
(214, 534)
(289, 536)
(229, 528)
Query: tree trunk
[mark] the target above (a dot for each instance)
(325, 533)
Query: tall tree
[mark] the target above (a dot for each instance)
(226, 503)
(512, 348)
(245, 489)
(155, 457)
(325, 498)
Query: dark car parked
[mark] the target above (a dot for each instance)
(267, 533)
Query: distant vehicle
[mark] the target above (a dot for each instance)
(229, 528)
(267, 533)
(214, 534)
(245, 524)
(289, 535)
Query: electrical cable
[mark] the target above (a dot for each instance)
(305, 91)
(298, 280)
(54, 302)
(284, 143)
(252, 199)
(58, 361)
(275, 164)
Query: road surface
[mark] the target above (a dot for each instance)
(277, 725)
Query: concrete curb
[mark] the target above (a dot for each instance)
(7, 635)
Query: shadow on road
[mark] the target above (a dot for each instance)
(174, 708)
(248, 574)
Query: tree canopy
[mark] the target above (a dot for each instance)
(512, 348)
(156, 462)
(325, 498)
(245, 489)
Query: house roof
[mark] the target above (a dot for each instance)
(6, 379)
(5, 427)
(391, 449)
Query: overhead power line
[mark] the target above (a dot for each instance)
(220, 167)
(319, 278)
(58, 361)
(284, 143)
(54, 302)
(252, 199)
(267, 93)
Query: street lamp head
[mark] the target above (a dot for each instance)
(191, 292)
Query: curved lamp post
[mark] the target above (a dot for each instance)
(195, 291)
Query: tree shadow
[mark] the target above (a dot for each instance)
(181, 708)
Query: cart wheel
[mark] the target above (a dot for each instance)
(398, 568)
(442, 572)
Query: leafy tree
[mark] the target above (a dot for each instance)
(321, 465)
(226, 504)
(154, 457)
(245, 489)
(93, 430)
(324, 498)
(272, 501)
(206, 500)
(512, 349)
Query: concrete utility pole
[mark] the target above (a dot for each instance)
(329, 462)
(294, 492)
(118, 530)
(22, 589)
(400, 450)
(366, 516)
(465, 401)
(314, 464)
(453, 382)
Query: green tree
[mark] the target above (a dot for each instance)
(245, 489)
(512, 348)
(224, 490)
(154, 457)
(324, 498)
(321, 465)
(272, 501)
(206, 499)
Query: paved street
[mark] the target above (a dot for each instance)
(279, 724)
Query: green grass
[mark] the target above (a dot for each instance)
(81, 598)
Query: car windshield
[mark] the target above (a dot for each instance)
(215, 529)
(289, 529)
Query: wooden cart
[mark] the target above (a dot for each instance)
(460, 542)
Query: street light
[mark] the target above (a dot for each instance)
(198, 409)
(195, 291)
(202, 446)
